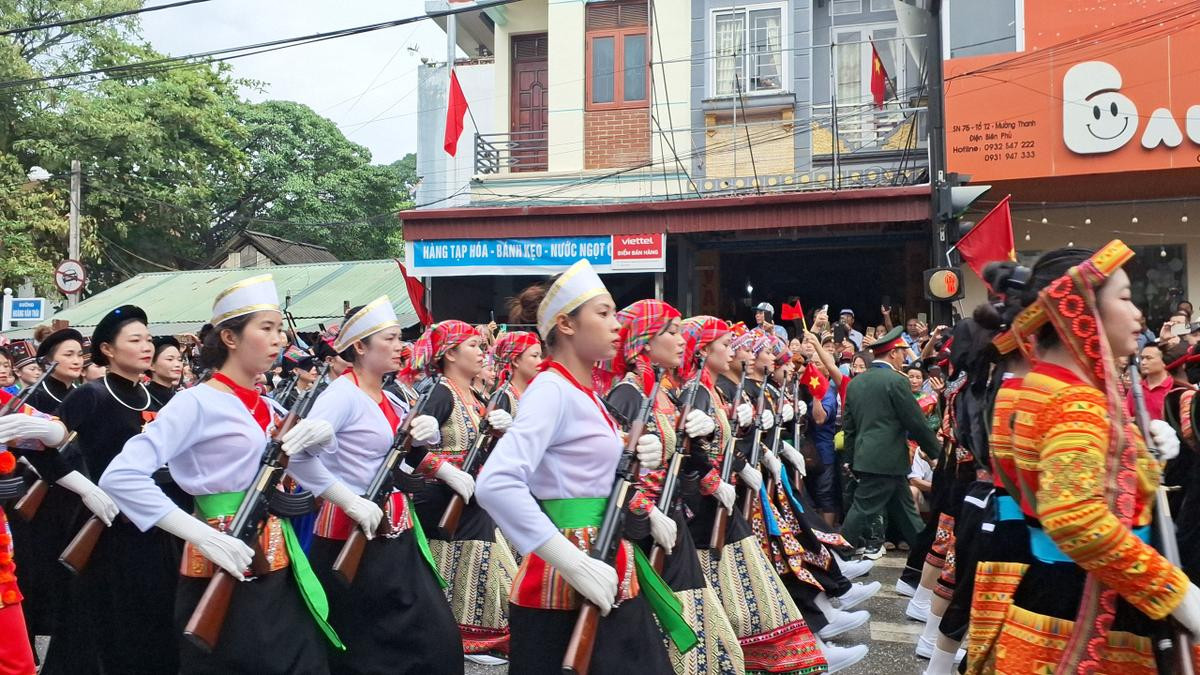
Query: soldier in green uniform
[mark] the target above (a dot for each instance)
(880, 416)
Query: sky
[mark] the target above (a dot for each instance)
(366, 84)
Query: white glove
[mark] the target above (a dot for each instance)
(1165, 439)
(649, 451)
(768, 420)
(751, 477)
(307, 433)
(698, 424)
(93, 497)
(744, 413)
(801, 408)
(773, 465)
(1188, 611)
(460, 481)
(362, 511)
(793, 457)
(224, 551)
(726, 495)
(424, 430)
(31, 428)
(663, 529)
(591, 578)
(787, 414)
(499, 419)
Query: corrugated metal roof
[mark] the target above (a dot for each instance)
(278, 250)
(181, 301)
(710, 214)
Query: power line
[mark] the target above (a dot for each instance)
(98, 17)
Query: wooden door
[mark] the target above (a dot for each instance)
(530, 102)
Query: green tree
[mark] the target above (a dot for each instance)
(32, 228)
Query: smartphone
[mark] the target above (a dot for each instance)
(923, 318)
(935, 371)
(886, 302)
(1180, 329)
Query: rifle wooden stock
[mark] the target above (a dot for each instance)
(657, 554)
(204, 626)
(448, 523)
(578, 656)
(716, 541)
(76, 555)
(1164, 526)
(29, 503)
(345, 566)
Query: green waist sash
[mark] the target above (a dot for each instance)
(589, 512)
(227, 503)
(423, 542)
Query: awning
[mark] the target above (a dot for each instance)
(711, 214)
(179, 302)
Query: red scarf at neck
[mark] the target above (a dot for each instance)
(249, 398)
(385, 405)
(559, 368)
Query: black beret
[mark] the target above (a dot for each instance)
(110, 325)
(55, 339)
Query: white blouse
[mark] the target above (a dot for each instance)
(361, 439)
(560, 446)
(206, 437)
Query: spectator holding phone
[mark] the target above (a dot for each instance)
(846, 318)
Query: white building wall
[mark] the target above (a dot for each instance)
(445, 180)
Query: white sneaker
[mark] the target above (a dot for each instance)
(842, 622)
(917, 612)
(485, 660)
(840, 658)
(904, 588)
(856, 569)
(858, 594)
(925, 647)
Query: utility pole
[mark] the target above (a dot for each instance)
(942, 216)
(73, 240)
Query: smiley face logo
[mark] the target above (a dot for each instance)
(1096, 117)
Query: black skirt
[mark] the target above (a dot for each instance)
(36, 547)
(394, 618)
(430, 499)
(267, 631)
(627, 641)
(119, 617)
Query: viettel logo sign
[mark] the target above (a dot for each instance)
(1098, 118)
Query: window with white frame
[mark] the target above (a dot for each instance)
(853, 58)
(841, 7)
(748, 50)
(882, 5)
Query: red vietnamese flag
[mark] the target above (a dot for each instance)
(416, 296)
(456, 108)
(793, 312)
(816, 383)
(991, 240)
(879, 78)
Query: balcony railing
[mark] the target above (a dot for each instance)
(516, 151)
(865, 129)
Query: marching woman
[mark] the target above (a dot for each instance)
(394, 617)
(1092, 596)
(477, 564)
(650, 338)
(518, 357)
(31, 429)
(771, 630)
(212, 437)
(166, 369)
(547, 484)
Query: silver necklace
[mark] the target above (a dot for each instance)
(46, 388)
(118, 398)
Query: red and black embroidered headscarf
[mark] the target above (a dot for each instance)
(698, 333)
(436, 341)
(508, 348)
(640, 323)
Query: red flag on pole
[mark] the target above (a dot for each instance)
(991, 240)
(816, 383)
(793, 312)
(456, 108)
(416, 296)
(879, 78)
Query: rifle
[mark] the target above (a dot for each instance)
(657, 554)
(578, 656)
(777, 437)
(1164, 529)
(716, 542)
(345, 566)
(756, 446)
(799, 483)
(262, 499)
(12, 485)
(448, 524)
